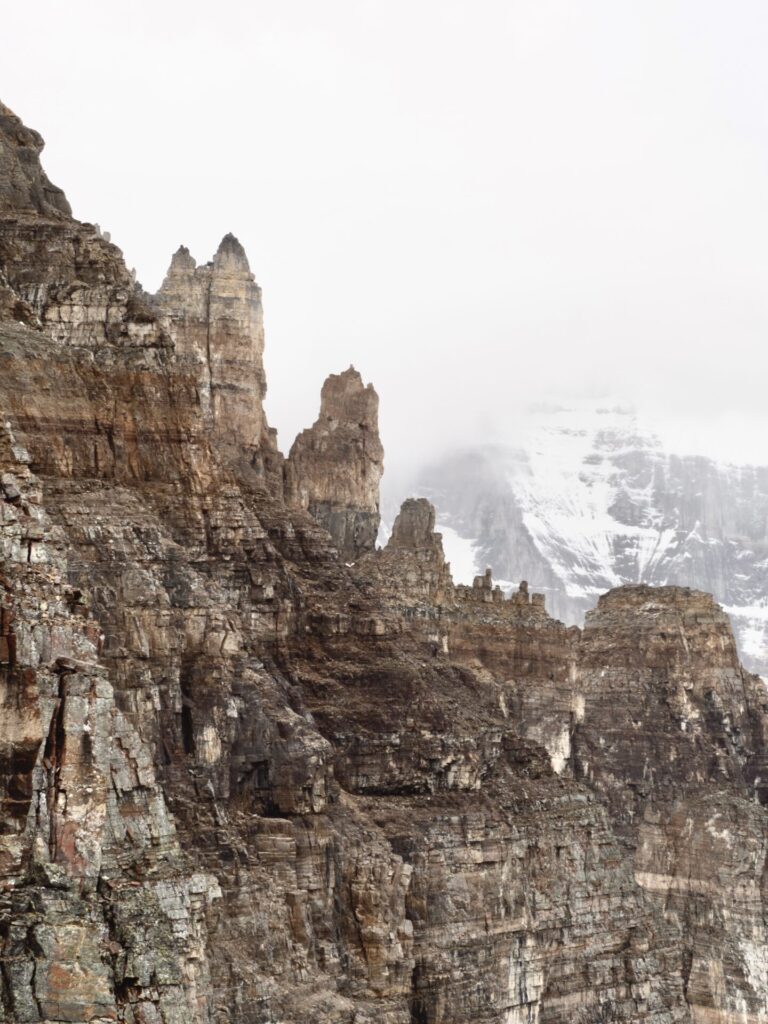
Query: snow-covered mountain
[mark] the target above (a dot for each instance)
(588, 498)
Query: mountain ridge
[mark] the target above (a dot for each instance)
(246, 778)
(590, 499)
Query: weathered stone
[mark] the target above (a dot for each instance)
(334, 468)
(24, 186)
(243, 782)
(10, 490)
(214, 315)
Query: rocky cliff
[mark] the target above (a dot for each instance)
(244, 781)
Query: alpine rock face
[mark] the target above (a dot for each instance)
(588, 498)
(254, 770)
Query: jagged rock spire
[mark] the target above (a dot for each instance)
(214, 314)
(335, 468)
(414, 527)
(230, 249)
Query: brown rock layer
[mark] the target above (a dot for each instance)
(244, 782)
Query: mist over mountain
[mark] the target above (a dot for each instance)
(254, 770)
(586, 496)
(477, 205)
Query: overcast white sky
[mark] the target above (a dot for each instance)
(477, 203)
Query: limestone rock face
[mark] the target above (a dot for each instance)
(55, 272)
(334, 468)
(24, 186)
(674, 738)
(245, 782)
(214, 316)
(651, 708)
(95, 897)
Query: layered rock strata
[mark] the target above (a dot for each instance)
(98, 904)
(56, 272)
(244, 782)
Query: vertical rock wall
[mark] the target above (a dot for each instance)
(214, 316)
(96, 901)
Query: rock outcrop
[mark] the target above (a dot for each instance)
(24, 185)
(57, 272)
(674, 739)
(412, 565)
(334, 469)
(214, 316)
(243, 781)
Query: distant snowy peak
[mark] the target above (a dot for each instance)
(585, 498)
(460, 552)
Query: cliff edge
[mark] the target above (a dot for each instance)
(244, 781)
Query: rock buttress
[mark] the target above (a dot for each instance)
(673, 737)
(650, 708)
(334, 468)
